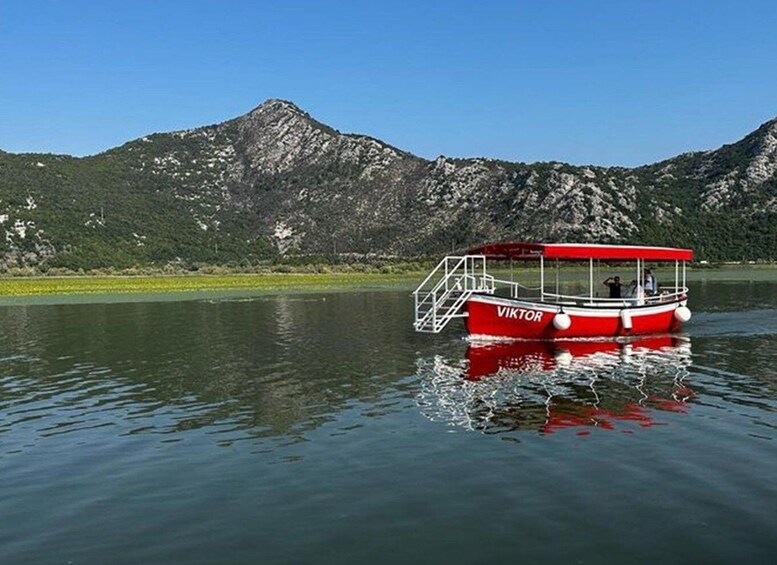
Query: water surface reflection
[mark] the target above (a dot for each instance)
(317, 429)
(237, 369)
(548, 386)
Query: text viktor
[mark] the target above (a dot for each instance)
(518, 314)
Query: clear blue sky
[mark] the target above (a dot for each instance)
(610, 83)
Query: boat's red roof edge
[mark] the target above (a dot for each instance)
(579, 251)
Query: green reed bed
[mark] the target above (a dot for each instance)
(270, 282)
(40, 286)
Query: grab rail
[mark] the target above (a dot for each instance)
(452, 282)
(667, 294)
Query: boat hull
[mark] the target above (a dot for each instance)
(493, 316)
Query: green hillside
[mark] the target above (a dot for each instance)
(275, 184)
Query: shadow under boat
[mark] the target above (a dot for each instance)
(552, 385)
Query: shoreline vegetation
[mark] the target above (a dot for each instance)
(182, 278)
(290, 278)
(195, 283)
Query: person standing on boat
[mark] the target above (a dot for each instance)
(637, 292)
(615, 286)
(650, 283)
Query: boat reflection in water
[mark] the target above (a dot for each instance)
(551, 385)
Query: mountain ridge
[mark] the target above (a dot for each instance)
(769, 125)
(276, 182)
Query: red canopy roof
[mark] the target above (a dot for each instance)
(578, 251)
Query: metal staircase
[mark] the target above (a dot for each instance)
(441, 296)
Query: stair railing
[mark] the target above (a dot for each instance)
(452, 282)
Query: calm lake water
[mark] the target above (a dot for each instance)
(320, 428)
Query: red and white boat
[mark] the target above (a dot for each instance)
(461, 286)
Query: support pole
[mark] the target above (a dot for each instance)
(591, 278)
(676, 275)
(542, 278)
(598, 272)
(513, 292)
(642, 277)
(637, 277)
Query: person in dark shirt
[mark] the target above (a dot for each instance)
(615, 286)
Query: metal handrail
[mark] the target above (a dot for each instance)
(679, 293)
(676, 294)
(462, 276)
(443, 263)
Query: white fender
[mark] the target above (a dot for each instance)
(682, 314)
(562, 321)
(626, 319)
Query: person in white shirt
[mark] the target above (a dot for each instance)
(637, 293)
(650, 283)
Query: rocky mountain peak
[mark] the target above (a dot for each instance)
(760, 141)
(760, 150)
(763, 165)
(277, 136)
(768, 134)
(770, 126)
(277, 106)
(284, 116)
